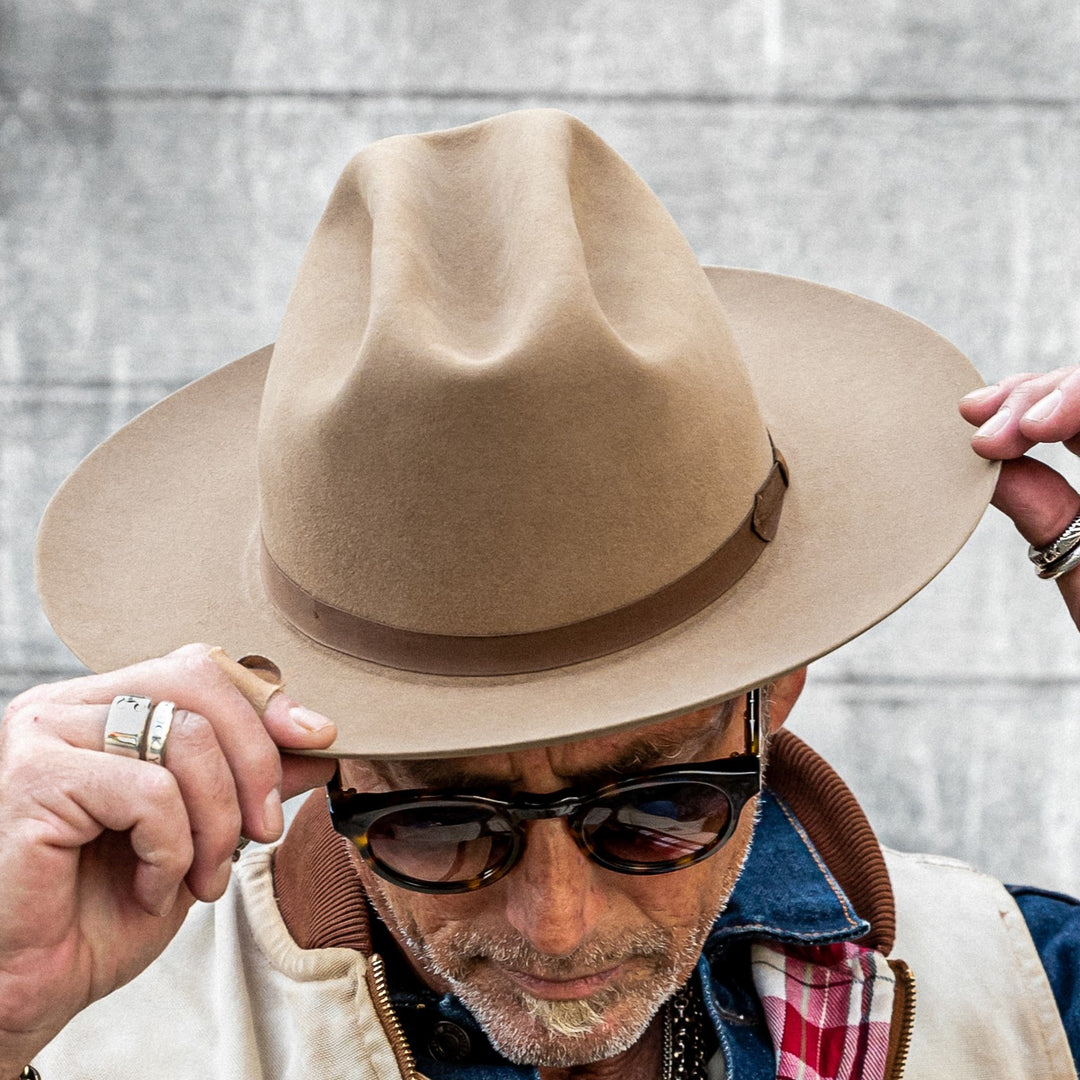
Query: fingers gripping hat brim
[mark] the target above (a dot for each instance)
(154, 540)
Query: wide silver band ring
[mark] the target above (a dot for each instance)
(125, 725)
(1057, 549)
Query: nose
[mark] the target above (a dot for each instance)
(552, 896)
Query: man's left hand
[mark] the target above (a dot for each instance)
(1013, 415)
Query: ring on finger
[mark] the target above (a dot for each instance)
(157, 734)
(125, 725)
(1058, 548)
(1069, 561)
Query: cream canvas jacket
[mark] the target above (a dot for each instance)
(235, 996)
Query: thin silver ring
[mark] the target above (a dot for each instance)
(125, 725)
(1069, 561)
(1056, 549)
(157, 733)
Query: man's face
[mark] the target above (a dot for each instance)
(563, 961)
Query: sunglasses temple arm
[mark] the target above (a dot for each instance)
(753, 720)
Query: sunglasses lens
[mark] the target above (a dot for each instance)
(444, 845)
(659, 826)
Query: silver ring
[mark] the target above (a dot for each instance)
(161, 718)
(1056, 549)
(125, 725)
(1069, 561)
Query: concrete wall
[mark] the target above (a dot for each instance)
(163, 165)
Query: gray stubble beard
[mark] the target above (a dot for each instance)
(564, 1033)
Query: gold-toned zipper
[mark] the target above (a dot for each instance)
(380, 995)
(903, 1015)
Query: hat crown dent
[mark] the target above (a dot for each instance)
(504, 397)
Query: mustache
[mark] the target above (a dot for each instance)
(469, 948)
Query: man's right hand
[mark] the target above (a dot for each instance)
(102, 855)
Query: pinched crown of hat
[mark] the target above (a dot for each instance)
(514, 469)
(505, 414)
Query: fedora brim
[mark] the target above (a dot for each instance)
(153, 541)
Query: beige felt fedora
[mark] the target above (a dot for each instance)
(518, 469)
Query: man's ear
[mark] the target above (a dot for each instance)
(783, 693)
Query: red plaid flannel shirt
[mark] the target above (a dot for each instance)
(828, 1008)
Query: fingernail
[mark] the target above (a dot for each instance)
(163, 905)
(994, 424)
(221, 877)
(981, 394)
(273, 815)
(1045, 408)
(308, 719)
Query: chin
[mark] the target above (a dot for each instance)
(535, 1031)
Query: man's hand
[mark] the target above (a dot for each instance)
(1013, 415)
(102, 855)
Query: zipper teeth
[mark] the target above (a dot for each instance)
(907, 1019)
(381, 994)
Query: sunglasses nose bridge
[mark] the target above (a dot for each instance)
(540, 809)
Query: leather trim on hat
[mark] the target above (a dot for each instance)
(541, 650)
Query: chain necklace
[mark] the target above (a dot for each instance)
(684, 1035)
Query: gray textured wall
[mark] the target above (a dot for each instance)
(163, 165)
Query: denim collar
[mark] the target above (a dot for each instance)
(785, 891)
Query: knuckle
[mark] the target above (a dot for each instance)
(21, 770)
(218, 787)
(159, 787)
(176, 857)
(196, 664)
(199, 666)
(24, 721)
(34, 695)
(20, 713)
(194, 731)
(192, 648)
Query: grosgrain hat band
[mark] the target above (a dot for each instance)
(513, 654)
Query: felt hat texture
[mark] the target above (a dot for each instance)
(518, 469)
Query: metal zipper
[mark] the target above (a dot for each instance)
(380, 995)
(905, 989)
